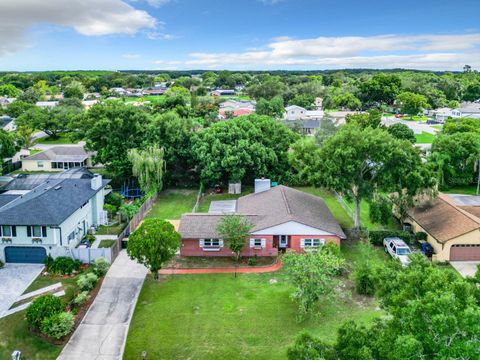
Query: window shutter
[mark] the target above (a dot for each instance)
(263, 243)
(302, 243)
(252, 243)
(44, 231)
(14, 231)
(1, 232)
(29, 231)
(202, 243)
(220, 242)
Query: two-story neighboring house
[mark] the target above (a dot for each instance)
(57, 158)
(49, 219)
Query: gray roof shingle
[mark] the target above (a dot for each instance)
(273, 207)
(61, 153)
(49, 203)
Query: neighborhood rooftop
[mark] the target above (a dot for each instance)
(444, 219)
(50, 203)
(266, 209)
(61, 154)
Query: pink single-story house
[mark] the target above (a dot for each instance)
(282, 218)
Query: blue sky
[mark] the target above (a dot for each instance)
(238, 34)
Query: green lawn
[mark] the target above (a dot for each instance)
(61, 139)
(424, 138)
(218, 316)
(466, 190)
(439, 126)
(171, 204)
(415, 118)
(111, 229)
(106, 243)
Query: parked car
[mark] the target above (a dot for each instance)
(398, 249)
(398, 116)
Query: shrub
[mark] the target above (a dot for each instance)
(57, 325)
(364, 277)
(252, 261)
(421, 236)
(114, 198)
(100, 266)
(42, 308)
(90, 238)
(1, 264)
(62, 265)
(80, 298)
(86, 282)
(376, 237)
(111, 209)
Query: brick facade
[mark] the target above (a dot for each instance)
(191, 247)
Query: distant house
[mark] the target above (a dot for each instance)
(87, 104)
(452, 225)
(46, 104)
(7, 123)
(5, 101)
(441, 114)
(58, 158)
(295, 112)
(221, 92)
(308, 127)
(467, 110)
(236, 107)
(283, 218)
(49, 219)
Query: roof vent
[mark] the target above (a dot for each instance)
(58, 187)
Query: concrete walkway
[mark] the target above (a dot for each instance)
(224, 270)
(465, 268)
(14, 280)
(103, 332)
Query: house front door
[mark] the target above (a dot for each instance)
(283, 242)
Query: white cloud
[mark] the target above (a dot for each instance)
(131, 56)
(155, 35)
(87, 17)
(436, 52)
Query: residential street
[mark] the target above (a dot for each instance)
(103, 331)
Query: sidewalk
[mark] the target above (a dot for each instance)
(103, 331)
(239, 270)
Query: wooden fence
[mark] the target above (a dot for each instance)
(137, 219)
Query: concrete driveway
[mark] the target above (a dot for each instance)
(103, 331)
(14, 280)
(465, 268)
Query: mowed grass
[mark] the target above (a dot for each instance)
(60, 139)
(172, 203)
(14, 335)
(218, 316)
(424, 138)
(465, 190)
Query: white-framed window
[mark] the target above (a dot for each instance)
(211, 243)
(40, 164)
(71, 236)
(37, 231)
(8, 231)
(257, 243)
(308, 243)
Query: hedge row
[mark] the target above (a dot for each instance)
(376, 236)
